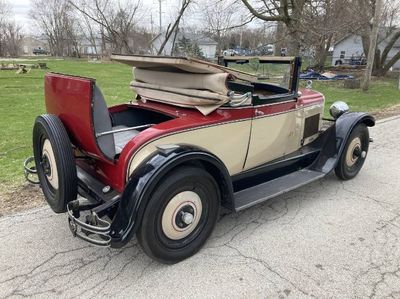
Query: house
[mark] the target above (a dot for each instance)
(29, 43)
(350, 48)
(92, 47)
(208, 47)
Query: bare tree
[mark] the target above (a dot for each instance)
(175, 25)
(287, 11)
(323, 22)
(10, 32)
(372, 44)
(56, 21)
(220, 17)
(117, 20)
(388, 32)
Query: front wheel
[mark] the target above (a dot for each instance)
(354, 153)
(180, 215)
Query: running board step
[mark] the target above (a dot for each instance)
(257, 194)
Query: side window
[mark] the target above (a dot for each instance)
(342, 54)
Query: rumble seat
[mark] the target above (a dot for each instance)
(111, 144)
(122, 138)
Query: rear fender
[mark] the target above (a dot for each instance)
(334, 139)
(146, 177)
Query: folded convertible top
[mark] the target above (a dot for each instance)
(184, 82)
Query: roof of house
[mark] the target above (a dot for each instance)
(383, 34)
(199, 39)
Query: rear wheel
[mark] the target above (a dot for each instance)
(354, 153)
(180, 215)
(55, 162)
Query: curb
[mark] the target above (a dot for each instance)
(384, 120)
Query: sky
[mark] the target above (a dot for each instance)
(20, 10)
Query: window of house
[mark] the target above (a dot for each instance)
(342, 54)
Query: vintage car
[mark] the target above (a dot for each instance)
(197, 136)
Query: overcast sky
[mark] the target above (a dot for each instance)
(21, 9)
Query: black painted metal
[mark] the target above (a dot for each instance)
(143, 181)
(260, 193)
(282, 175)
(276, 168)
(92, 189)
(331, 144)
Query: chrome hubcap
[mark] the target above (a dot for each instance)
(181, 215)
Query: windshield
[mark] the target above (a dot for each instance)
(275, 73)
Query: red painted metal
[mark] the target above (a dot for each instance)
(70, 98)
(310, 97)
(185, 119)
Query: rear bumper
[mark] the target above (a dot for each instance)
(89, 216)
(93, 229)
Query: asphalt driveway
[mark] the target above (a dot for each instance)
(330, 239)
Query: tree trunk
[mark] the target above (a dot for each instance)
(372, 45)
(322, 51)
(294, 43)
(279, 38)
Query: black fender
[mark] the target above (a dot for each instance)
(145, 178)
(334, 139)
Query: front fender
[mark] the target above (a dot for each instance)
(143, 180)
(346, 123)
(334, 139)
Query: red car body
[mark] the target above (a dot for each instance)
(161, 165)
(70, 99)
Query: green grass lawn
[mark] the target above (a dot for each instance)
(21, 100)
(382, 94)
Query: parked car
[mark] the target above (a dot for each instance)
(198, 136)
(230, 52)
(39, 51)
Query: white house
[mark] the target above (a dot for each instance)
(351, 47)
(207, 46)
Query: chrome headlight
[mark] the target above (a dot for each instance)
(338, 108)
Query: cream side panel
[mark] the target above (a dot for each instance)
(228, 142)
(272, 137)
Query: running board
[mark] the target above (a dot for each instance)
(257, 194)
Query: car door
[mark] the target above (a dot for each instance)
(276, 124)
(275, 132)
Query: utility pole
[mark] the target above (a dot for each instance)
(372, 45)
(241, 33)
(160, 11)
(151, 25)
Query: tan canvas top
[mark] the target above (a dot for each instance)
(212, 82)
(262, 59)
(185, 64)
(184, 82)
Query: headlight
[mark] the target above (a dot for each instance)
(338, 108)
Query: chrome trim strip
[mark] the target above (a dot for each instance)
(123, 130)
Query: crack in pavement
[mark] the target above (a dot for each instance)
(329, 239)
